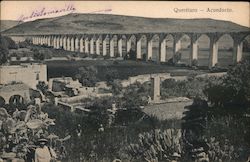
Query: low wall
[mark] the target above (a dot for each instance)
(144, 78)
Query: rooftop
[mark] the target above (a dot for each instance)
(22, 65)
(13, 87)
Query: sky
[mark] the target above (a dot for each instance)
(237, 12)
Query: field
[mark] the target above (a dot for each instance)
(58, 68)
(124, 68)
(167, 111)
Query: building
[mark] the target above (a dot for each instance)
(29, 74)
(17, 93)
(70, 90)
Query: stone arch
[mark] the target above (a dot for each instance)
(98, 44)
(115, 45)
(132, 38)
(124, 45)
(77, 44)
(131, 46)
(203, 50)
(169, 46)
(105, 45)
(72, 44)
(65, 42)
(60, 42)
(68, 44)
(16, 100)
(144, 46)
(92, 44)
(155, 48)
(2, 101)
(225, 50)
(246, 48)
(185, 47)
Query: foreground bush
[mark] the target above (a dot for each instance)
(21, 130)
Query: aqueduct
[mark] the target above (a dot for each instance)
(117, 45)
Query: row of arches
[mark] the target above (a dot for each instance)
(13, 100)
(205, 48)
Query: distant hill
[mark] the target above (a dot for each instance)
(7, 24)
(105, 23)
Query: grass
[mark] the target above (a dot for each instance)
(167, 111)
(124, 68)
(131, 68)
(7, 24)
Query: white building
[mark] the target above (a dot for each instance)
(29, 74)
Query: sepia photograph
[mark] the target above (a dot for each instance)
(124, 81)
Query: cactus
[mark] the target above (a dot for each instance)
(156, 145)
(20, 131)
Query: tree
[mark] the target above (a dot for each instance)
(194, 126)
(23, 44)
(237, 79)
(234, 87)
(116, 87)
(42, 86)
(39, 56)
(225, 120)
(111, 75)
(6, 43)
(177, 57)
(3, 54)
(132, 54)
(195, 62)
(9, 43)
(87, 76)
(136, 95)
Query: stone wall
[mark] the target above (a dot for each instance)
(29, 74)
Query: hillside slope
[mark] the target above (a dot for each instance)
(7, 24)
(103, 23)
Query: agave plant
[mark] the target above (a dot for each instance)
(156, 145)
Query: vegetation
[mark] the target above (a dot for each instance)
(20, 131)
(92, 136)
(87, 76)
(156, 145)
(191, 88)
(42, 86)
(38, 55)
(218, 132)
(131, 55)
(221, 130)
(195, 62)
(6, 43)
(111, 75)
(135, 96)
(24, 44)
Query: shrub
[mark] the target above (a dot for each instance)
(156, 145)
(87, 76)
(177, 57)
(21, 130)
(106, 57)
(23, 44)
(194, 62)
